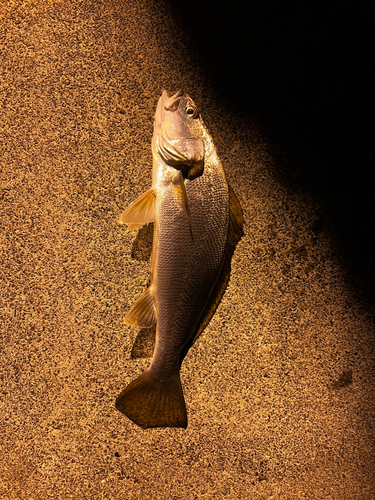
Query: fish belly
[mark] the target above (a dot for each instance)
(187, 262)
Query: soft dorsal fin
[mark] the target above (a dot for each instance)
(141, 211)
(142, 313)
(235, 232)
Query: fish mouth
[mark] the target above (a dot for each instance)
(171, 103)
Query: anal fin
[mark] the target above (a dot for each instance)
(142, 313)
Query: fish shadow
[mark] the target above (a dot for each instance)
(144, 343)
(142, 245)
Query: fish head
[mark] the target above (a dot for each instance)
(178, 134)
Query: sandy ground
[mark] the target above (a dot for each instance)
(280, 386)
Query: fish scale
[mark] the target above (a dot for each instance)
(185, 272)
(197, 222)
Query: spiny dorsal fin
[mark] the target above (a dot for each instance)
(141, 211)
(236, 220)
(235, 232)
(143, 312)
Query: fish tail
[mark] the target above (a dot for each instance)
(151, 402)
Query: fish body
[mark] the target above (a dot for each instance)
(190, 205)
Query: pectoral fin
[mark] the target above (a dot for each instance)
(180, 183)
(141, 211)
(132, 227)
(142, 313)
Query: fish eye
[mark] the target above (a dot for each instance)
(191, 111)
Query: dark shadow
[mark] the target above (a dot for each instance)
(345, 379)
(301, 71)
(144, 344)
(142, 245)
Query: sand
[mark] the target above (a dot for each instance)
(280, 386)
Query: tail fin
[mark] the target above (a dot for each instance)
(151, 402)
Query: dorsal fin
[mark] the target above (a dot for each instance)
(236, 221)
(141, 211)
(235, 232)
(142, 313)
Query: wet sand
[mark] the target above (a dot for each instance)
(280, 386)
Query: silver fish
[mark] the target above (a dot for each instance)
(197, 223)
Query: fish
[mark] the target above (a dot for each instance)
(197, 223)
